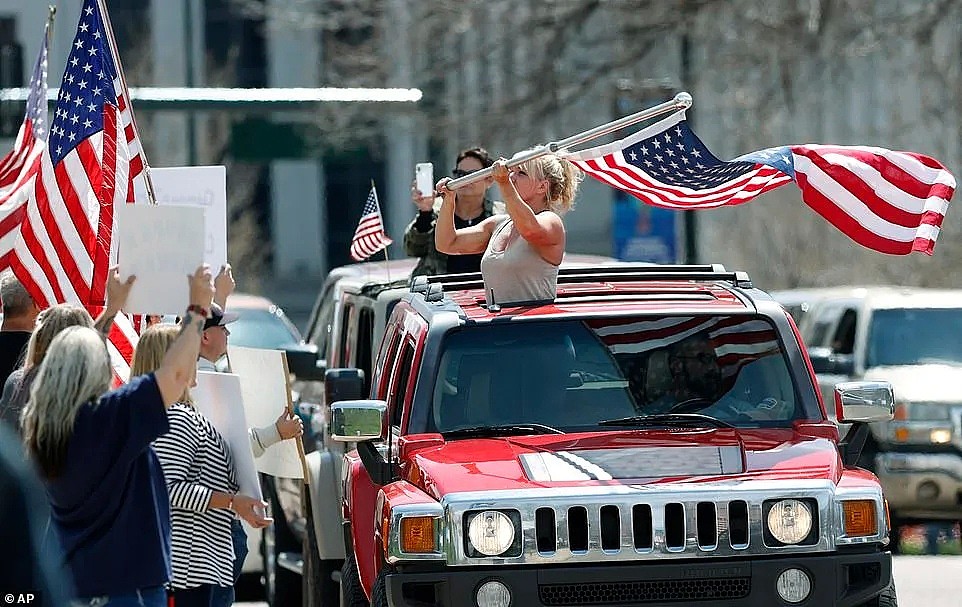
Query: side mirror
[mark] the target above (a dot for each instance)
(358, 420)
(343, 384)
(827, 362)
(302, 361)
(864, 401)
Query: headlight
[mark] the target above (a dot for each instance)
(491, 532)
(789, 521)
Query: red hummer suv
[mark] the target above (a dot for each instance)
(653, 436)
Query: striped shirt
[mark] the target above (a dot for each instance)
(196, 462)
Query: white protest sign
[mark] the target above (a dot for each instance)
(162, 246)
(218, 396)
(263, 375)
(204, 187)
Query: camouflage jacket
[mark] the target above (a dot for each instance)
(421, 244)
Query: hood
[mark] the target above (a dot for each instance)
(921, 383)
(621, 457)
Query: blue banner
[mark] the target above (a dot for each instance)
(645, 233)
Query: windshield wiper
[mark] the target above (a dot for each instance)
(506, 429)
(668, 419)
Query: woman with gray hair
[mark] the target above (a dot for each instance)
(53, 320)
(523, 250)
(108, 498)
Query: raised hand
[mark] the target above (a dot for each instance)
(201, 287)
(289, 427)
(117, 290)
(224, 285)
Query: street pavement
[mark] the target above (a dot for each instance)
(922, 581)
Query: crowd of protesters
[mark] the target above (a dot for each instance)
(122, 496)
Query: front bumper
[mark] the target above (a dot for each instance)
(922, 485)
(838, 579)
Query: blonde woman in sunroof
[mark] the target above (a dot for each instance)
(522, 250)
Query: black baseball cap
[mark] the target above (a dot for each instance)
(218, 317)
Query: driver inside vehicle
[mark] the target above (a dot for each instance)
(697, 382)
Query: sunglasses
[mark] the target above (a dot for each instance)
(458, 173)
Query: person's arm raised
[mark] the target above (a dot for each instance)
(117, 293)
(541, 230)
(175, 370)
(473, 239)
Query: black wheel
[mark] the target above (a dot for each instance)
(887, 598)
(352, 595)
(282, 587)
(379, 593)
(318, 586)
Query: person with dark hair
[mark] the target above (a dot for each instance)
(471, 207)
(109, 505)
(19, 317)
(30, 565)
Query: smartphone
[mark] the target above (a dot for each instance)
(424, 178)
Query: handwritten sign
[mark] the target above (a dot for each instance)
(204, 187)
(266, 389)
(218, 396)
(162, 246)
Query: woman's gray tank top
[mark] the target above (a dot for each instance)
(518, 273)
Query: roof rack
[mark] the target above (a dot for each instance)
(612, 273)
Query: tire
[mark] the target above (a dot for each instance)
(379, 593)
(887, 598)
(352, 595)
(318, 586)
(282, 587)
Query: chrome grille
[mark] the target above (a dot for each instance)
(682, 523)
(622, 523)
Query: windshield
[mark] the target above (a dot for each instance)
(576, 374)
(256, 328)
(914, 336)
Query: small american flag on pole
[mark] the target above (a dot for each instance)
(19, 166)
(369, 237)
(892, 202)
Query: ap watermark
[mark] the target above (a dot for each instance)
(19, 598)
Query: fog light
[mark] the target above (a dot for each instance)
(940, 436)
(928, 491)
(793, 585)
(493, 594)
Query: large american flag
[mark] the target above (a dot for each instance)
(91, 156)
(19, 166)
(369, 237)
(889, 201)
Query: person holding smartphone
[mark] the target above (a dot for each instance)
(471, 207)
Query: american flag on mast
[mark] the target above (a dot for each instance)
(19, 166)
(369, 237)
(889, 201)
(92, 155)
(87, 165)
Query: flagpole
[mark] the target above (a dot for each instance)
(681, 101)
(51, 14)
(387, 265)
(112, 41)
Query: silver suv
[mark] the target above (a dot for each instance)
(911, 337)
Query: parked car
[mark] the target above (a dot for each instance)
(907, 336)
(544, 455)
